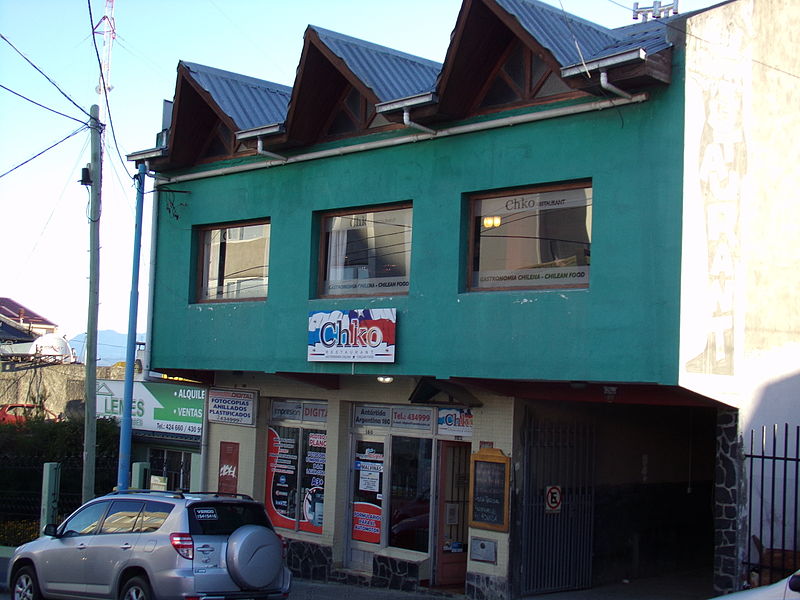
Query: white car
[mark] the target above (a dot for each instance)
(786, 589)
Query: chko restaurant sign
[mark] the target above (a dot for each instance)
(364, 335)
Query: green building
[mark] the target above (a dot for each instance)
(432, 354)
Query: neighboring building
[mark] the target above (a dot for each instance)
(14, 311)
(432, 357)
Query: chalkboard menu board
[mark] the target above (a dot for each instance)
(488, 498)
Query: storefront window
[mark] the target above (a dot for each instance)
(368, 491)
(410, 501)
(532, 238)
(296, 460)
(367, 253)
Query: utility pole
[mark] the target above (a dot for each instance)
(90, 386)
(123, 469)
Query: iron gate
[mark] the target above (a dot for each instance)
(557, 508)
(773, 463)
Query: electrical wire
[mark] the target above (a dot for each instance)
(77, 131)
(63, 93)
(105, 91)
(39, 105)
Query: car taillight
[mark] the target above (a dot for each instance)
(183, 544)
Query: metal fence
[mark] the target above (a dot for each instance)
(773, 464)
(21, 492)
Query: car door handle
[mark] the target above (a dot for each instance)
(125, 546)
(81, 546)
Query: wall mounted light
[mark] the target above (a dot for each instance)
(489, 222)
(385, 379)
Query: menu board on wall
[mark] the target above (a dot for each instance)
(489, 490)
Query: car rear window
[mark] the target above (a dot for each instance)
(223, 518)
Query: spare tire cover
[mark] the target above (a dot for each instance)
(254, 556)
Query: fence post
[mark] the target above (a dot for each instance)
(51, 485)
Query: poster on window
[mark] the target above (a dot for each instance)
(362, 335)
(234, 407)
(228, 476)
(281, 492)
(313, 480)
(367, 492)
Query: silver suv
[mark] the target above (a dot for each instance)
(146, 545)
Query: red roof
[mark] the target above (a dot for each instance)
(16, 312)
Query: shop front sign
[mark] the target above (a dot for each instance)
(363, 335)
(234, 407)
(455, 421)
(158, 407)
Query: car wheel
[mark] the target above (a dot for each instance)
(136, 588)
(254, 556)
(25, 586)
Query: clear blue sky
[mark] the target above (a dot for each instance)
(45, 229)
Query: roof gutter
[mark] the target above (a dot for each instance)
(616, 60)
(407, 139)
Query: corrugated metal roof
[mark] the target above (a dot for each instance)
(389, 73)
(559, 31)
(562, 33)
(13, 310)
(250, 102)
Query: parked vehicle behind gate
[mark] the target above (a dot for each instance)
(146, 545)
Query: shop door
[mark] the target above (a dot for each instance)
(451, 526)
(367, 503)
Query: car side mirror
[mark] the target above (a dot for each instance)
(51, 530)
(794, 582)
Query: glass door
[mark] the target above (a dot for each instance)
(367, 465)
(451, 526)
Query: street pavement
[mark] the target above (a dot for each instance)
(684, 587)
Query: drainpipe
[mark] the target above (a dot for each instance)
(409, 123)
(606, 85)
(260, 150)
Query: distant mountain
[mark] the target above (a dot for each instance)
(111, 346)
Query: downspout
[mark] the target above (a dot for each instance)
(260, 150)
(409, 123)
(608, 86)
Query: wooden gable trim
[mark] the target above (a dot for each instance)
(227, 120)
(322, 79)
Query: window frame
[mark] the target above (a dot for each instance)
(200, 257)
(473, 198)
(322, 271)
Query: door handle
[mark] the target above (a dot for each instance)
(125, 546)
(81, 546)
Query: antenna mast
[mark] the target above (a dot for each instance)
(659, 10)
(108, 29)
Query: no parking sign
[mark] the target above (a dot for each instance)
(552, 499)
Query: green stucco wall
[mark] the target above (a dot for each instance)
(623, 328)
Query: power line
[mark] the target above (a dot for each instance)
(77, 131)
(105, 91)
(39, 105)
(63, 93)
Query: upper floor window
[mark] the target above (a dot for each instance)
(234, 261)
(532, 238)
(366, 253)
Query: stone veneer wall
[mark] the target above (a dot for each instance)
(307, 560)
(487, 587)
(729, 500)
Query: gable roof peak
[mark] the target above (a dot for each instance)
(248, 101)
(389, 73)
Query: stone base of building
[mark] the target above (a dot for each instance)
(487, 587)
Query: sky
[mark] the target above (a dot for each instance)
(44, 264)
